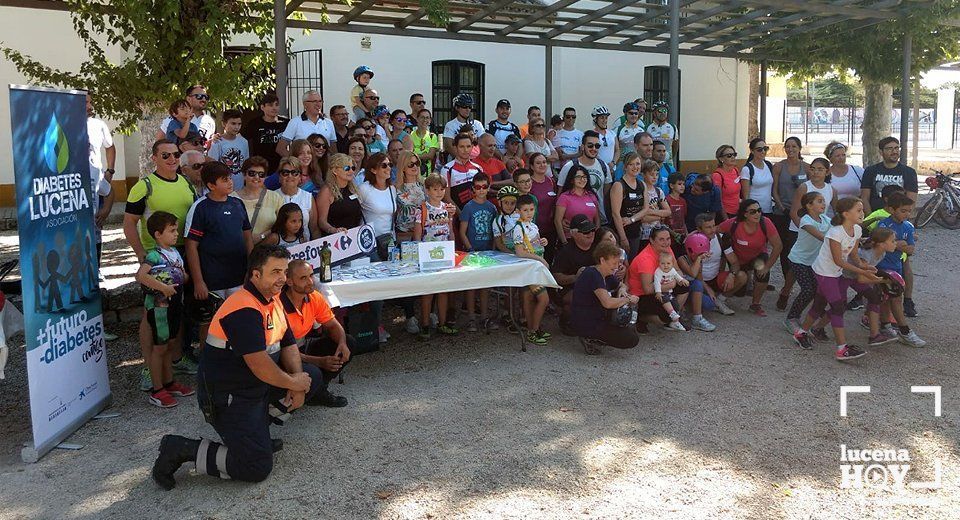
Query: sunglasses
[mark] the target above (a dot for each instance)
(255, 173)
(569, 117)
(401, 120)
(730, 155)
(414, 164)
(481, 186)
(592, 146)
(762, 149)
(320, 145)
(201, 97)
(195, 166)
(753, 211)
(366, 127)
(421, 102)
(167, 155)
(385, 165)
(375, 98)
(539, 125)
(349, 168)
(287, 173)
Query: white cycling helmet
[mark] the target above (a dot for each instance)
(600, 110)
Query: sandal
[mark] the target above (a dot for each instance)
(590, 347)
(757, 309)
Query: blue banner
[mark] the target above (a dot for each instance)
(66, 358)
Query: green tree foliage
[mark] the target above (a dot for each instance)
(874, 52)
(166, 46)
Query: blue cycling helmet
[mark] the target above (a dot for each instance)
(362, 69)
(463, 100)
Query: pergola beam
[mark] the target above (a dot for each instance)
(479, 15)
(822, 8)
(355, 12)
(820, 24)
(494, 38)
(683, 23)
(411, 18)
(293, 6)
(733, 22)
(547, 11)
(627, 24)
(582, 20)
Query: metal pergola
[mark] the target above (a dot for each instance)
(714, 28)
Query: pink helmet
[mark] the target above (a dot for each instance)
(696, 244)
(894, 285)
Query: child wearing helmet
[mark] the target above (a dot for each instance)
(362, 75)
(697, 250)
(506, 218)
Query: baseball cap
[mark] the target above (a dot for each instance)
(503, 103)
(582, 223)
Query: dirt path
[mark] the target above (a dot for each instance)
(733, 424)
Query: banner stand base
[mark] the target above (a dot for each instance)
(68, 446)
(29, 455)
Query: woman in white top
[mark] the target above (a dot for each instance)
(289, 172)
(844, 177)
(377, 197)
(536, 142)
(816, 182)
(756, 177)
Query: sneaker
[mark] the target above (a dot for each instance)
(723, 308)
(324, 398)
(642, 328)
(909, 309)
(491, 324)
(819, 334)
(146, 384)
(757, 309)
(701, 323)
(848, 352)
(425, 333)
(911, 339)
(384, 335)
(889, 330)
(802, 339)
(544, 334)
(865, 322)
(782, 301)
(163, 399)
(412, 326)
(880, 339)
(675, 325)
(535, 338)
(855, 304)
(185, 366)
(448, 330)
(434, 321)
(471, 325)
(791, 324)
(179, 390)
(107, 336)
(590, 346)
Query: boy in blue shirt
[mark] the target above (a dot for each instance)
(900, 207)
(180, 125)
(218, 242)
(476, 234)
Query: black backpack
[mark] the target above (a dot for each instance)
(750, 167)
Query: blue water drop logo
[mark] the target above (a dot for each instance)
(56, 151)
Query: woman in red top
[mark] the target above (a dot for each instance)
(727, 178)
(756, 248)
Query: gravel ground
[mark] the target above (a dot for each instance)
(738, 423)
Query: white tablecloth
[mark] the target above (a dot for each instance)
(514, 272)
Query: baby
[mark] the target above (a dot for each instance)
(666, 272)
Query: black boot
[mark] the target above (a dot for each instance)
(174, 451)
(323, 397)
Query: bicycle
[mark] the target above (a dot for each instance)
(944, 205)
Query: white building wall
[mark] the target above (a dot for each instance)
(49, 37)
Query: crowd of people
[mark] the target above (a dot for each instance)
(630, 241)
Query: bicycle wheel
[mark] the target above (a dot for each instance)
(926, 213)
(948, 217)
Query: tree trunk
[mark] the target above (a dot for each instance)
(148, 127)
(878, 106)
(753, 124)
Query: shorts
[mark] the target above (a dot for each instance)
(202, 311)
(164, 321)
(717, 283)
